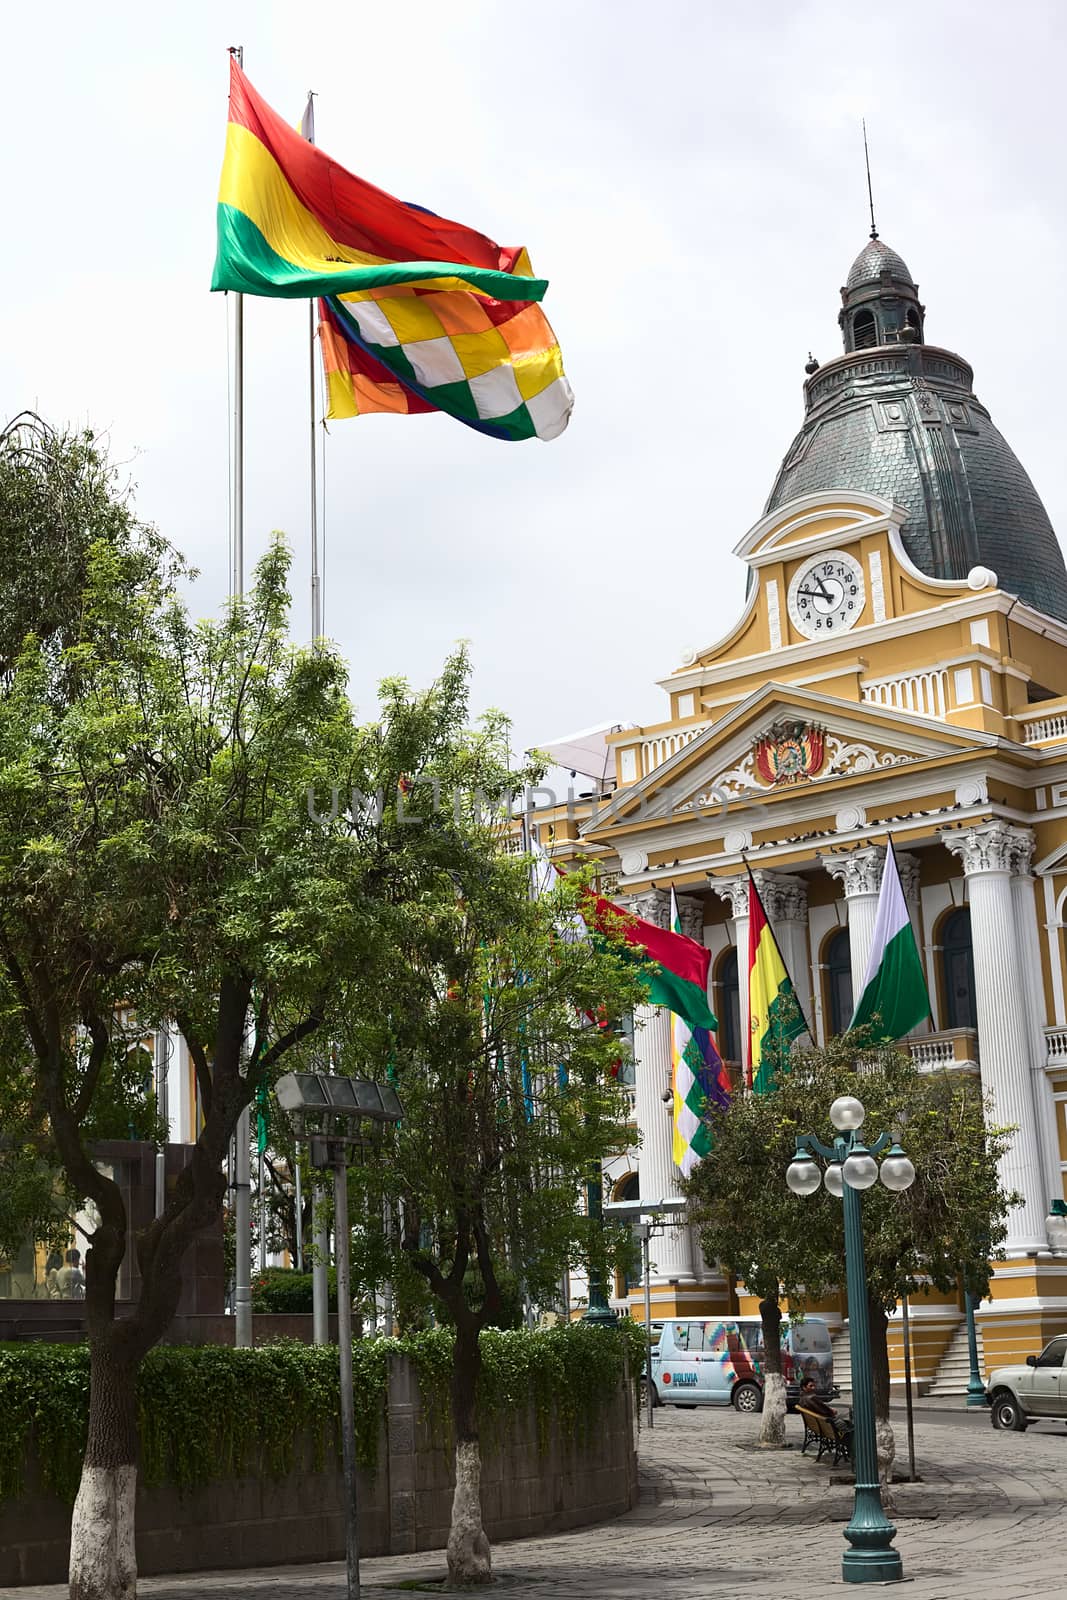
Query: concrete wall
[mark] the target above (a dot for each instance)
(405, 1506)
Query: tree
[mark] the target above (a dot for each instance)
(160, 855)
(505, 1077)
(948, 1226)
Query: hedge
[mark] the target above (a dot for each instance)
(208, 1412)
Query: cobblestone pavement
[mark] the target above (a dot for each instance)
(721, 1520)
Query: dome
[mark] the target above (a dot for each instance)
(899, 418)
(875, 258)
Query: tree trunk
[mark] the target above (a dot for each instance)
(469, 1557)
(103, 1560)
(772, 1419)
(887, 1448)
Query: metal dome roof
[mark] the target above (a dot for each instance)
(875, 258)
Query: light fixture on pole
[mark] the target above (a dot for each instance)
(329, 1112)
(852, 1167)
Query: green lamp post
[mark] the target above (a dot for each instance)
(852, 1168)
(976, 1395)
(598, 1311)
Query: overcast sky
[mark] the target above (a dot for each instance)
(688, 176)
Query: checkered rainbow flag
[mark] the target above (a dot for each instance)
(417, 313)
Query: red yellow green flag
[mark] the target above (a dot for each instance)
(774, 1015)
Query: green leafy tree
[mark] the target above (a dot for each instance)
(949, 1226)
(509, 1104)
(159, 854)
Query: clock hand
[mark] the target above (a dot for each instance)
(816, 594)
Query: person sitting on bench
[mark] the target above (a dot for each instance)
(812, 1400)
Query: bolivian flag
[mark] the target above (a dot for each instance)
(774, 1015)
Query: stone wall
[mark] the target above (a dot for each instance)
(580, 1478)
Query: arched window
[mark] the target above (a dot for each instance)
(864, 330)
(729, 1008)
(957, 970)
(838, 963)
(911, 317)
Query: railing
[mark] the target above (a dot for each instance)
(1036, 729)
(1056, 1047)
(954, 1050)
(655, 751)
(923, 693)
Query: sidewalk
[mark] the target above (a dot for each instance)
(720, 1519)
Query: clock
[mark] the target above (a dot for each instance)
(826, 595)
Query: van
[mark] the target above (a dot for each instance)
(720, 1362)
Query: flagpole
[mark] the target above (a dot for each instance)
(242, 1284)
(316, 582)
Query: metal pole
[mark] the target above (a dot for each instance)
(906, 1333)
(344, 1342)
(242, 1293)
(162, 1050)
(242, 1275)
(316, 592)
(975, 1382)
(598, 1310)
(647, 1269)
(262, 1214)
(872, 1558)
(320, 1283)
(298, 1204)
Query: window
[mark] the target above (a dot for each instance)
(752, 1334)
(864, 330)
(629, 1277)
(912, 319)
(957, 969)
(729, 1008)
(1053, 1353)
(838, 963)
(689, 1336)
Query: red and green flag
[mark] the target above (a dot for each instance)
(677, 967)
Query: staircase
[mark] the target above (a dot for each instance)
(955, 1368)
(842, 1360)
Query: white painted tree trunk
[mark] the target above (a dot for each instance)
(469, 1557)
(887, 1455)
(103, 1559)
(772, 1418)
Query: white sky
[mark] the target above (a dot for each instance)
(688, 176)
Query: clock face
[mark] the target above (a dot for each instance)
(826, 595)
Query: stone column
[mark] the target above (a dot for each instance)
(861, 873)
(992, 853)
(1045, 1109)
(735, 892)
(785, 900)
(658, 1176)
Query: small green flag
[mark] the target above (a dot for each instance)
(262, 1118)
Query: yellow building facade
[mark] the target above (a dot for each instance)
(883, 682)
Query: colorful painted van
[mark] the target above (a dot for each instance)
(717, 1363)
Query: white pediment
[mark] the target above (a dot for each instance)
(724, 762)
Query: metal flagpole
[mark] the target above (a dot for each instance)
(316, 580)
(242, 1290)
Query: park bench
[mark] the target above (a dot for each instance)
(832, 1437)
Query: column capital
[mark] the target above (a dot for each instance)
(735, 892)
(859, 870)
(784, 896)
(652, 905)
(691, 916)
(991, 847)
(908, 867)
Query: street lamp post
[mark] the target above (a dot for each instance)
(976, 1395)
(852, 1164)
(323, 1108)
(598, 1311)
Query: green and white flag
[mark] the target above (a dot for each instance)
(894, 989)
